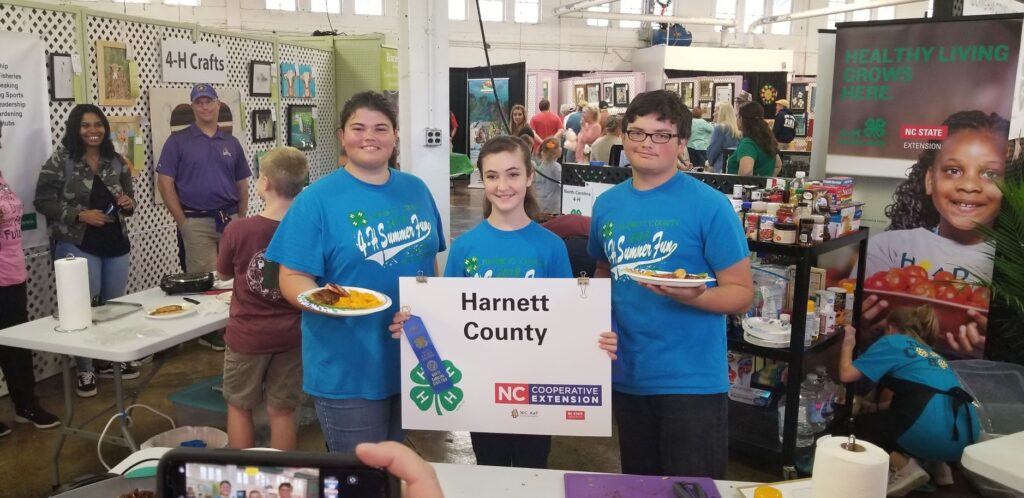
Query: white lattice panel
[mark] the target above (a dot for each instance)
(57, 30)
(324, 158)
(151, 229)
(240, 52)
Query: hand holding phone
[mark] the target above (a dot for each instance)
(235, 473)
(405, 464)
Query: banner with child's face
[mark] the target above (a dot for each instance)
(930, 110)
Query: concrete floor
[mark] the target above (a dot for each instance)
(25, 455)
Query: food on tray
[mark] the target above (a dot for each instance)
(914, 281)
(170, 309)
(339, 297)
(679, 273)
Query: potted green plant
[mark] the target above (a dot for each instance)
(1005, 335)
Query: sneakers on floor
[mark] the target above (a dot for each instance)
(86, 384)
(37, 416)
(4, 430)
(213, 341)
(128, 371)
(907, 479)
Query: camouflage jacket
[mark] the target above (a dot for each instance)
(60, 199)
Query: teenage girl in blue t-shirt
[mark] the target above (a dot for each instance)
(509, 244)
(931, 418)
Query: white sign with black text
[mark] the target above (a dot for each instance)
(188, 62)
(510, 355)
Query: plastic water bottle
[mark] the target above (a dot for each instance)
(810, 405)
(828, 394)
(810, 324)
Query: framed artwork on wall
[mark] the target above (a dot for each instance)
(301, 127)
(61, 73)
(125, 134)
(723, 92)
(580, 91)
(798, 97)
(259, 79)
(262, 125)
(621, 95)
(112, 74)
(801, 124)
(606, 93)
(674, 88)
(705, 90)
(593, 93)
(687, 93)
(707, 107)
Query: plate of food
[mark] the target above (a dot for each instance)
(677, 278)
(335, 300)
(170, 311)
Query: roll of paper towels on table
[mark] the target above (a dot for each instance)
(841, 473)
(73, 303)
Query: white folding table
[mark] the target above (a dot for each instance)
(124, 339)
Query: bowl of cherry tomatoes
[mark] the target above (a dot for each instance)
(913, 286)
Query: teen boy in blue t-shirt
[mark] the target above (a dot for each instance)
(670, 404)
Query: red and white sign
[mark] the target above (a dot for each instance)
(922, 132)
(575, 415)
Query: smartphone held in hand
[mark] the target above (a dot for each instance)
(185, 472)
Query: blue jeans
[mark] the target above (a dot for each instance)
(108, 278)
(348, 422)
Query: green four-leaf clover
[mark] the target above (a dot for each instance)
(423, 394)
(357, 218)
(471, 265)
(606, 230)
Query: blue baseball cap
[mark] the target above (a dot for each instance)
(203, 90)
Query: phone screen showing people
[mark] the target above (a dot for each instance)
(195, 479)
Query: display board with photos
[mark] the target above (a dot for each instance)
(616, 89)
(72, 37)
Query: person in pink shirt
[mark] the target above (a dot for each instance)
(589, 131)
(16, 363)
(545, 124)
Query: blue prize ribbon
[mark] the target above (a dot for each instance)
(426, 353)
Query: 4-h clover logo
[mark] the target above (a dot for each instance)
(423, 394)
(606, 230)
(874, 127)
(357, 218)
(575, 211)
(471, 265)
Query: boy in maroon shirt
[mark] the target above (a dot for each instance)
(264, 354)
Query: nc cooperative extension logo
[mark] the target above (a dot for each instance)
(547, 394)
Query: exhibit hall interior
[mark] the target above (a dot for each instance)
(733, 248)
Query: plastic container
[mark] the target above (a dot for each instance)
(810, 325)
(810, 406)
(828, 394)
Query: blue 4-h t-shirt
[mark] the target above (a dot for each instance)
(930, 437)
(344, 231)
(530, 252)
(666, 347)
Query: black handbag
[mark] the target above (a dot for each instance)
(187, 283)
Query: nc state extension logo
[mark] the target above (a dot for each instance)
(575, 415)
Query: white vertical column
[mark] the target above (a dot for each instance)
(423, 97)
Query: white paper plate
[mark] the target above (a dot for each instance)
(309, 305)
(667, 282)
(223, 284)
(225, 297)
(187, 309)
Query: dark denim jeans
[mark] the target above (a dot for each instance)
(673, 435)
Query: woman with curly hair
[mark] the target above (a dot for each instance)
(758, 152)
(950, 190)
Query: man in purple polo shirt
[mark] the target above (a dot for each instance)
(204, 179)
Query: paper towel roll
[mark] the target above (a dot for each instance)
(840, 473)
(73, 303)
